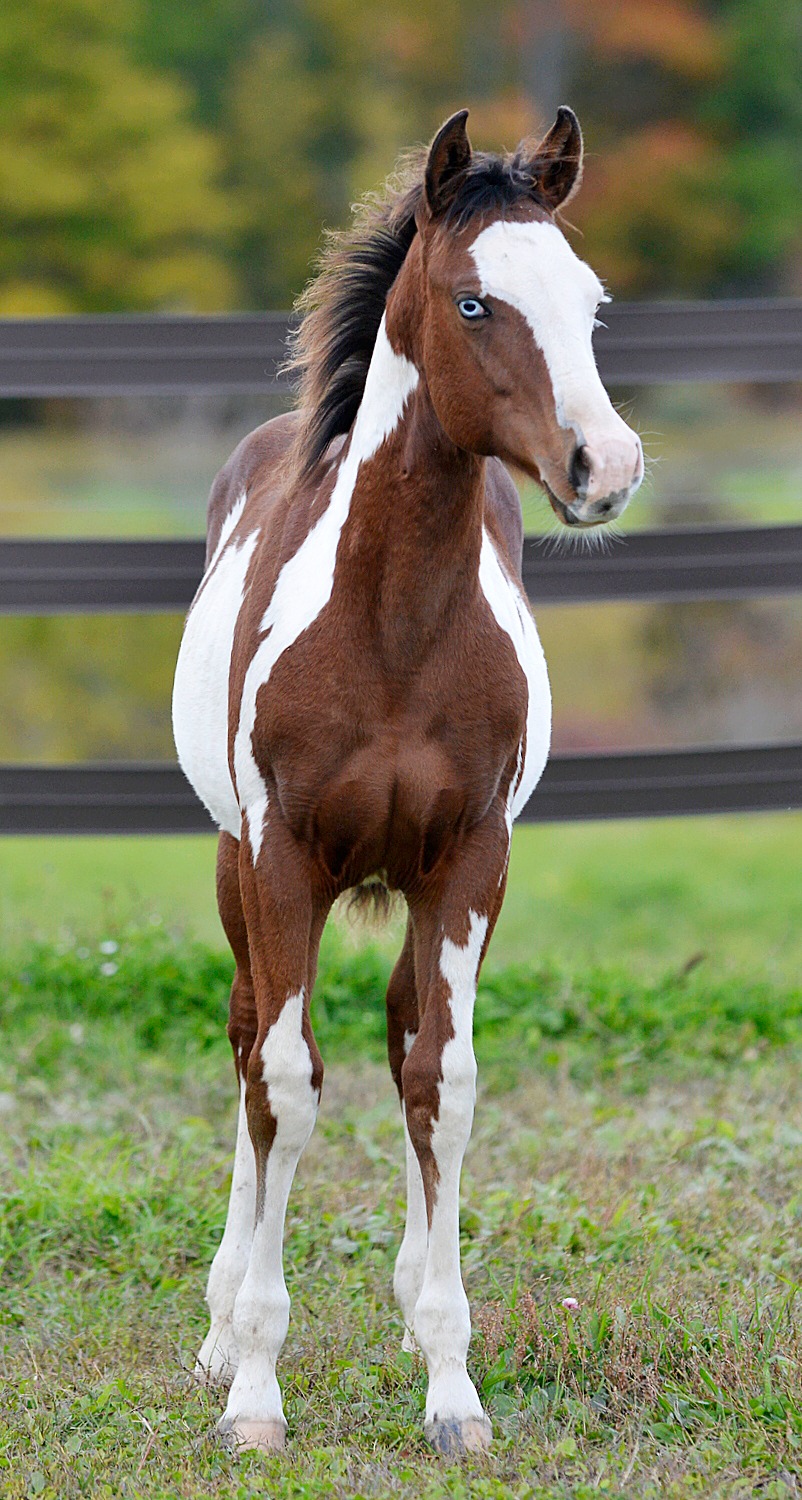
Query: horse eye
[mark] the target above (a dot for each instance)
(472, 309)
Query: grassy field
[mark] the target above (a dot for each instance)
(637, 1147)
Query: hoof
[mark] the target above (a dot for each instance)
(473, 1435)
(239, 1435)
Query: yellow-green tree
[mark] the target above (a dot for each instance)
(109, 193)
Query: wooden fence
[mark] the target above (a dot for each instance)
(642, 344)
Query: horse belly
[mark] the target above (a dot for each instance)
(200, 690)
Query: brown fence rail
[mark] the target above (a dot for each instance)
(643, 344)
(155, 798)
(61, 577)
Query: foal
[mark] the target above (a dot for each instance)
(361, 694)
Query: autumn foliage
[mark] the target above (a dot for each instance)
(161, 155)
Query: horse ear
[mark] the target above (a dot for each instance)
(556, 165)
(449, 157)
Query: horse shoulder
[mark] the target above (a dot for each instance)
(253, 460)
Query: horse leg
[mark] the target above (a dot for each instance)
(452, 930)
(218, 1356)
(283, 1081)
(402, 1029)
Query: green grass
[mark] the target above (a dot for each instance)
(669, 1210)
(646, 894)
(637, 1147)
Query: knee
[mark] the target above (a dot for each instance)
(420, 1083)
(282, 1099)
(444, 1095)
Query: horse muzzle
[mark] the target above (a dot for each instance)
(603, 478)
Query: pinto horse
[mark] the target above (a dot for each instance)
(361, 695)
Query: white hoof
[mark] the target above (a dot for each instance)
(241, 1434)
(452, 1438)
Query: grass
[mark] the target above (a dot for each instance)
(649, 894)
(637, 1147)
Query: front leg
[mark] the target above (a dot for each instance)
(218, 1356)
(452, 928)
(284, 1075)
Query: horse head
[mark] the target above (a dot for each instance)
(498, 312)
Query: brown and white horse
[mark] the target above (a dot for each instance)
(361, 694)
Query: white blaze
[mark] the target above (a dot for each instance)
(533, 268)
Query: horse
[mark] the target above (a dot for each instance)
(361, 695)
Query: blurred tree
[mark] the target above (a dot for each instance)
(202, 42)
(163, 154)
(693, 116)
(756, 113)
(328, 93)
(84, 687)
(108, 192)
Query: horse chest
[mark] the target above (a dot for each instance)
(376, 771)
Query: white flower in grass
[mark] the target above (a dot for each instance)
(570, 1304)
(108, 946)
(108, 969)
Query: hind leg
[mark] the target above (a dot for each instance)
(218, 1357)
(402, 1029)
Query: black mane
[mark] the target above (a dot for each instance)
(342, 307)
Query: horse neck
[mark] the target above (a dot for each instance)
(417, 507)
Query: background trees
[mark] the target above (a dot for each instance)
(109, 192)
(157, 154)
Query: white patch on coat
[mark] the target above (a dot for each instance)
(287, 1068)
(513, 616)
(304, 585)
(200, 689)
(459, 966)
(230, 521)
(219, 1356)
(442, 1319)
(262, 1307)
(533, 268)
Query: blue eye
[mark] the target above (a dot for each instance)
(472, 310)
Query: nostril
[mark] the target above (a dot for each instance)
(579, 472)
